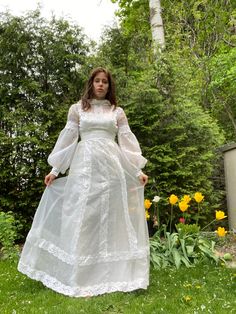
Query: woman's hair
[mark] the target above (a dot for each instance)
(88, 91)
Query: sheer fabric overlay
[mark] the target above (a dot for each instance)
(89, 235)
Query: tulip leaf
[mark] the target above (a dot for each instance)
(189, 249)
(177, 258)
(185, 261)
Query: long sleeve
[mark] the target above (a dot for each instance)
(129, 144)
(63, 151)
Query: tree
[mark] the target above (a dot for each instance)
(38, 81)
(156, 24)
(168, 101)
(222, 90)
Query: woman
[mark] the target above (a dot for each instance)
(89, 235)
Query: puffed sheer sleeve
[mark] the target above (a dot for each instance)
(63, 151)
(129, 144)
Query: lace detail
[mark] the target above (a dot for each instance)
(100, 102)
(55, 171)
(72, 259)
(89, 230)
(78, 291)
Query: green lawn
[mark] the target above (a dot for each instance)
(204, 289)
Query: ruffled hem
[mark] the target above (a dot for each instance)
(88, 260)
(79, 291)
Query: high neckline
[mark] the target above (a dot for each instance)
(100, 102)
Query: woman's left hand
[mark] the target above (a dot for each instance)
(143, 179)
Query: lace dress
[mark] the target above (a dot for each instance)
(89, 235)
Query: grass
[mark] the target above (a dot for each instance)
(203, 289)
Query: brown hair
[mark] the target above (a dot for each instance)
(88, 91)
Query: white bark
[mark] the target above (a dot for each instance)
(156, 24)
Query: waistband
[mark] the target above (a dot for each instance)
(98, 134)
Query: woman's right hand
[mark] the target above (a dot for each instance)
(49, 179)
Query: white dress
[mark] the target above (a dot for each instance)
(89, 235)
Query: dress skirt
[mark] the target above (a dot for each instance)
(89, 235)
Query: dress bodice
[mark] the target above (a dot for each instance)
(99, 121)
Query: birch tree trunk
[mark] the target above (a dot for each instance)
(156, 24)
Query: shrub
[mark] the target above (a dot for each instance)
(9, 228)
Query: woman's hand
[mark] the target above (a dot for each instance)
(49, 179)
(143, 179)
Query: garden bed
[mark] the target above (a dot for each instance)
(225, 245)
(228, 245)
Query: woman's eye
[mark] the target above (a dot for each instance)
(103, 81)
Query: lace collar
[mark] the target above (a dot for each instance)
(100, 102)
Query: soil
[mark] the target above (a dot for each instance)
(227, 245)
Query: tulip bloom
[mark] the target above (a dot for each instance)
(183, 206)
(147, 215)
(156, 199)
(221, 231)
(186, 199)
(182, 220)
(220, 215)
(198, 197)
(147, 204)
(173, 199)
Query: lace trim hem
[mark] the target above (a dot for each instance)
(90, 259)
(79, 291)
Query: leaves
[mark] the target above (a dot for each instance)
(9, 229)
(38, 82)
(176, 249)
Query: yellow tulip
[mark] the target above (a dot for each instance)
(183, 206)
(198, 197)
(221, 231)
(186, 199)
(147, 215)
(220, 215)
(173, 199)
(147, 204)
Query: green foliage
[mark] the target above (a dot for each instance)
(167, 103)
(185, 229)
(177, 104)
(39, 80)
(222, 90)
(184, 247)
(9, 229)
(187, 290)
(197, 31)
(201, 26)
(177, 136)
(134, 17)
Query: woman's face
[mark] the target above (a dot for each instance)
(100, 85)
